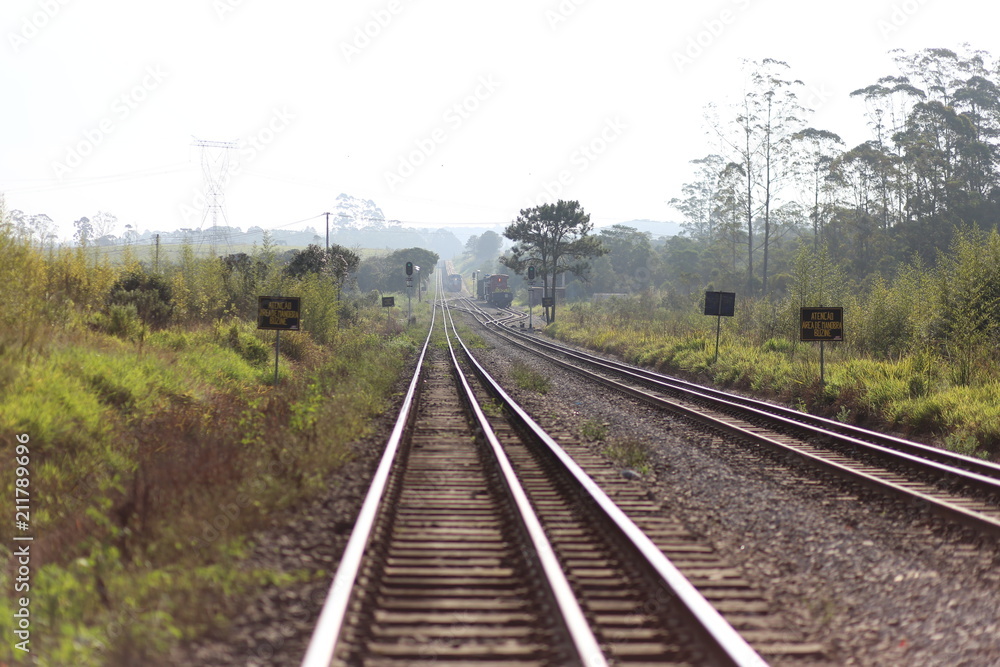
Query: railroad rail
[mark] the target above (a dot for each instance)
(959, 488)
(475, 546)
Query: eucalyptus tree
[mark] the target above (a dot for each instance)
(699, 201)
(816, 153)
(551, 236)
(766, 120)
(888, 104)
(859, 226)
(730, 210)
(941, 144)
(630, 254)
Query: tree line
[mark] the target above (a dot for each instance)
(929, 168)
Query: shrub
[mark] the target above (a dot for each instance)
(243, 340)
(121, 320)
(148, 294)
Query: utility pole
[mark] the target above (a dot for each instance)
(327, 232)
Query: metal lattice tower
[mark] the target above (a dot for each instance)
(215, 171)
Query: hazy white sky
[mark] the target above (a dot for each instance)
(441, 111)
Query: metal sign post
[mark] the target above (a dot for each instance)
(280, 313)
(388, 302)
(821, 324)
(277, 354)
(719, 304)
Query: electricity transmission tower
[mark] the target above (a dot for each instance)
(215, 174)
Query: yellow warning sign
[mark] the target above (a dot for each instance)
(278, 312)
(822, 324)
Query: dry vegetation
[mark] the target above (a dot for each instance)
(157, 440)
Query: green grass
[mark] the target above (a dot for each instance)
(916, 393)
(492, 408)
(529, 379)
(151, 464)
(593, 430)
(629, 453)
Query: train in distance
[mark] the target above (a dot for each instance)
(453, 283)
(493, 290)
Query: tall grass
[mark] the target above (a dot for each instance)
(157, 448)
(919, 354)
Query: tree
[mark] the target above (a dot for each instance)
(337, 262)
(150, 294)
(552, 235)
(421, 257)
(84, 231)
(699, 205)
(767, 119)
(817, 150)
(631, 256)
(241, 276)
(104, 224)
(386, 273)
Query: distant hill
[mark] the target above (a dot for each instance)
(358, 223)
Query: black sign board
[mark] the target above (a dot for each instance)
(821, 324)
(548, 301)
(278, 312)
(388, 301)
(721, 304)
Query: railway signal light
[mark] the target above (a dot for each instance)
(531, 273)
(409, 268)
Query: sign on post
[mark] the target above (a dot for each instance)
(821, 324)
(278, 312)
(388, 302)
(719, 305)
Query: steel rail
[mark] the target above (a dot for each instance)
(727, 643)
(948, 510)
(323, 643)
(821, 425)
(586, 645)
(924, 456)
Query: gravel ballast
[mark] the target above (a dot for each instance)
(877, 582)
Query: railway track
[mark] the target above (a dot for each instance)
(482, 542)
(958, 488)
